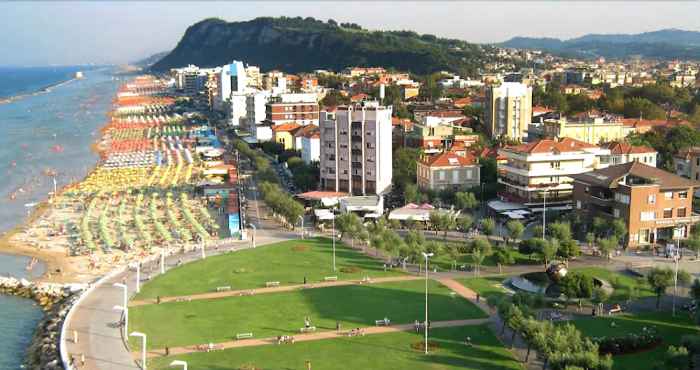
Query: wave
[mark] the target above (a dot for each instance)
(43, 90)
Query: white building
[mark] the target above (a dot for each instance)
(356, 153)
(545, 167)
(255, 115)
(233, 80)
(311, 147)
(508, 110)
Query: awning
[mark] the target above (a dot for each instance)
(500, 206)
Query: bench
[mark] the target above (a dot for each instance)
(247, 292)
(272, 283)
(382, 322)
(306, 330)
(223, 288)
(183, 299)
(330, 278)
(244, 335)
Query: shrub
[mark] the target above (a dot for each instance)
(629, 343)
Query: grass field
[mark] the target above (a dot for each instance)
(383, 351)
(621, 282)
(671, 330)
(487, 287)
(287, 262)
(268, 315)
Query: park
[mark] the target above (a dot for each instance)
(284, 305)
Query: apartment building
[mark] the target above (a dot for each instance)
(508, 110)
(687, 163)
(356, 152)
(622, 152)
(448, 171)
(301, 109)
(657, 206)
(586, 128)
(544, 168)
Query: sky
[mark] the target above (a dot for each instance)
(116, 32)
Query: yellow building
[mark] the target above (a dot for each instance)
(284, 134)
(592, 130)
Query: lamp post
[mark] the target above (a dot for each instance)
(544, 212)
(333, 239)
(302, 226)
(675, 276)
(252, 238)
(162, 261)
(124, 306)
(426, 255)
(138, 277)
(179, 363)
(204, 255)
(143, 347)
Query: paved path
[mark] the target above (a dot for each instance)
(278, 289)
(466, 293)
(308, 337)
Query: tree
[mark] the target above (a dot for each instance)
(590, 239)
(488, 226)
(695, 290)
(641, 107)
(464, 223)
(675, 358)
(405, 165)
(660, 279)
(411, 194)
(607, 246)
(549, 250)
(693, 243)
(576, 285)
(435, 220)
(466, 200)
(619, 229)
(504, 256)
(515, 229)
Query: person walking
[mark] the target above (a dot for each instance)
(337, 326)
(307, 322)
(416, 324)
(304, 280)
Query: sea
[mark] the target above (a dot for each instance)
(48, 122)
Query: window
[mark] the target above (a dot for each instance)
(644, 235)
(651, 199)
(680, 212)
(668, 195)
(441, 175)
(668, 212)
(683, 195)
(616, 212)
(622, 198)
(556, 165)
(588, 189)
(469, 174)
(647, 216)
(578, 204)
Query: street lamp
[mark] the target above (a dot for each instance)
(302, 226)
(254, 232)
(333, 239)
(204, 255)
(162, 261)
(124, 306)
(143, 347)
(544, 212)
(179, 363)
(675, 276)
(426, 255)
(138, 277)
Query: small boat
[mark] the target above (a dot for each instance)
(57, 148)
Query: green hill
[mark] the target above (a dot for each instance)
(304, 44)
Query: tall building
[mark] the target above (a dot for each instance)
(233, 80)
(508, 110)
(356, 149)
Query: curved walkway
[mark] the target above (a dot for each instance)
(277, 289)
(311, 337)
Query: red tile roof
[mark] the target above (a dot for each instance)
(626, 148)
(285, 127)
(550, 145)
(449, 159)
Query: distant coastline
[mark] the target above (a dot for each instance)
(42, 90)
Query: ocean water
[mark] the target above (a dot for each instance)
(41, 134)
(49, 133)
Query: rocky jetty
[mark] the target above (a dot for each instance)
(56, 300)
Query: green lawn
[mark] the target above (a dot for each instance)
(268, 315)
(621, 282)
(671, 330)
(383, 351)
(487, 287)
(445, 262)
(287, 262)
